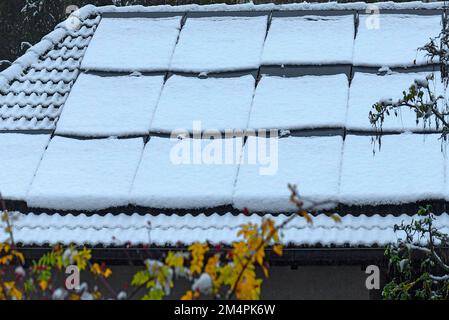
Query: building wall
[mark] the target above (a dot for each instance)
(316, 282)
(304, 282)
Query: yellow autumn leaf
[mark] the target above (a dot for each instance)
(188, 295)
(336, 218)
(211, 266)
(12, 290)
(268, 227)
(265, 271)
(74, 296)
(43, 284)
(260, 255)
(248, 289)
(96, 269)
(4, 247)
(306, 216)
(19, 256)
(239, 249)
(198, 250)
(82, 257)
(6, 259)
(248, 230)
(277, 249)
(97, 295)
(107, 273)
(174, 260)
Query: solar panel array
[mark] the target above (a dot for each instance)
(313, 77)
(184, 47)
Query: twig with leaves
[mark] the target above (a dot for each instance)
(418, 263)
(421, 97)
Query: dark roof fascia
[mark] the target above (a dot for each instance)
(292, 256)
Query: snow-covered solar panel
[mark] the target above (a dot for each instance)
(299, 103)
(110, 106)
(367, 89)
(270, 164)
(212, 103)
(407, 168)
(19, 158)
(85, 174)
(132, 44)
(309, 40)
(393, 40)
(187, 174)
(215, 44)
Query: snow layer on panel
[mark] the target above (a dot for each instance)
(216, 44)
(394, 42)
(85, 174)
(312, 163)
(408, 168)
(142, 44)
(309, 40)
(218, 103)
(19, 158)
(299, 103)
(188, 173)
(367, 89)
(110, 106)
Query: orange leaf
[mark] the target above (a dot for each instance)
(336, 218)
(277, 248)
(307, 216)
(43, 285)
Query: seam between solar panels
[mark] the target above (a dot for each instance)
(340, 167)
(234, 185)
(37, 167)
(182, 22)
(242, 150)
(136, 171)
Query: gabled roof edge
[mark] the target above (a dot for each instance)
(47, 42)
(250, 6)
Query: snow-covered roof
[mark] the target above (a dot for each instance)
(160, 230)
(86, 114)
